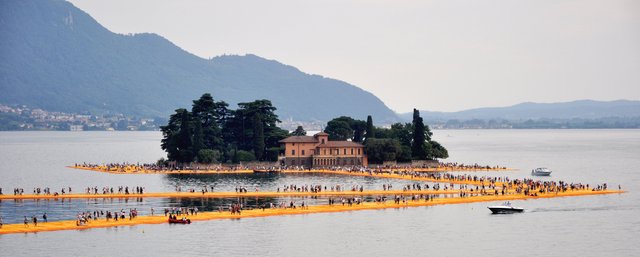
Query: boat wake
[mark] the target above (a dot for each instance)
(601, 208)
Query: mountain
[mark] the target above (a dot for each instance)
(56, 57)
(582, 109)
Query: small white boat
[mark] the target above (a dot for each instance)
(541, 172)
(505, 208)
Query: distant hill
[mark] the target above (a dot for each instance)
(582, 109)
(56, 57)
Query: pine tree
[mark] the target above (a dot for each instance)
(198, 137)
(184, 142)
(299, 132)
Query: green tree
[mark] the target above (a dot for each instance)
(405, 154)
(239, 129)
(245, 156)
(272, 137)
(402, 132)
(299, 132)
(438, 151)
(381, 150)
(418, 150)
(339, 129)
(370, 131)
(169, 142)
(343, 128)
(208, 156)
(211, 115)
(359, 127)
(177, 137)
(234, 157)
(383, 132)
(272, 153)
(197, 138)
(185, 143)
(258, 137)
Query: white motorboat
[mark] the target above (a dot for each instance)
(541, 172)
(505, 208)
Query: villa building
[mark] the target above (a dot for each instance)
(318, 151)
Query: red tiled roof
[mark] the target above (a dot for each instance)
(299, 139)
(340, 144)
(321, 133)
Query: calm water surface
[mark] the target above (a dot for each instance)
(577, 226)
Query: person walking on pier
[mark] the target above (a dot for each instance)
(44, 217)
(26, 221)
(35, 221)
(1, 222)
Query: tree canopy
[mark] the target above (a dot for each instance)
(299, 132)
(213, 133)
(346, 128)
(401, 142)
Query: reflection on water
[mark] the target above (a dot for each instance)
(271, 182)
(604, 225)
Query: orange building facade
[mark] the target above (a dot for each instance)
(318, 151)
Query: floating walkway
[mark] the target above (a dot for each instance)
(390, 175)
(139, 170)
(230, 194)
(101, 223)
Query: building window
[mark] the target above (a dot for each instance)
(325, 151)
(351, 151)
(322, 141)
(302, 152)
(358, 151)
(293, 152)
(344, 151)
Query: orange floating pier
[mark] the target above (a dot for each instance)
(230, 194)
(71, 224)
(139, 170)
(397, 174)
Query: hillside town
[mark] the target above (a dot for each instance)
(22, 117)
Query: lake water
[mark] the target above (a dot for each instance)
(607, 225)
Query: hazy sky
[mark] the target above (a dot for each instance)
(444, 55)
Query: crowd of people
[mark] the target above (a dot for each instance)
(319, 188)
(89, 190)
(38, 191)
(468, 185)
(153, 167)
(119, 190)
(83, 218)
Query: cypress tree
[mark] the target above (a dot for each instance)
(418, 151)
(370, 131)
